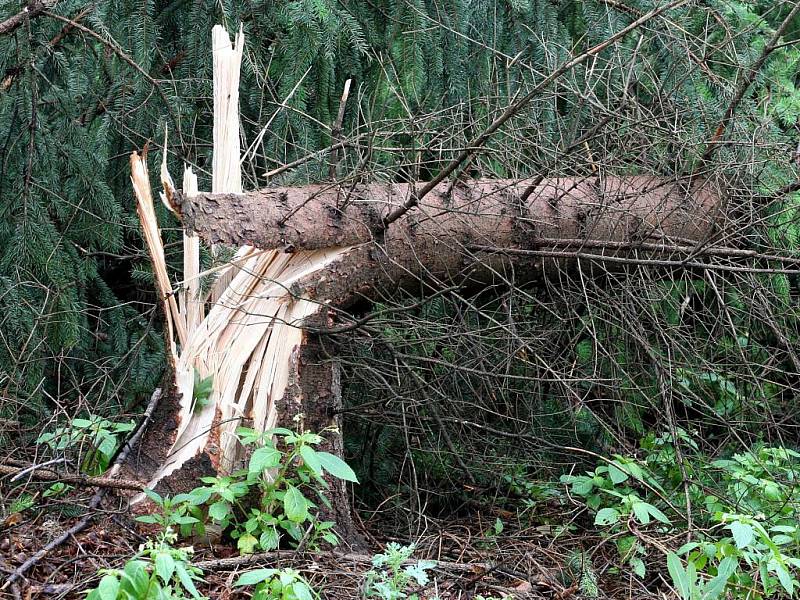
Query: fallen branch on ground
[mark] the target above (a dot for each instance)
(45, 474)
(94, 503)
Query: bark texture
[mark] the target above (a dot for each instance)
(34, 9)
(437, 241)
(315, 391)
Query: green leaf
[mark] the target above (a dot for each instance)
(186, 580)
(135, 572)
(644, 510)
(680, 578)
(714, 588)
(641, 512)
(154, 496)
(151, 519)
(247, 543)
(282, 431)
(108, 588)
(606, 516)
(264, 458)
(743, 534)
(617, 475)
(785, 578)
(165, 566)
(581, 484)
(219, 511)
(200, 495)
(336, 467)
(584, 350)
(295, 505)
(302, 591)
(659, 516)
(254, 577)
(638, 567)
(311, 458)
(269, 539)
(688, 547)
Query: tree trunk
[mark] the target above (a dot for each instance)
(455, 237)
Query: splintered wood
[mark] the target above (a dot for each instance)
(245, 333)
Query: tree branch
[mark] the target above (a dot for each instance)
(34, 9)
(744, 85)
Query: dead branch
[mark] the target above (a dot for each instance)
(39, 474)
(94, 503)
(34, 9)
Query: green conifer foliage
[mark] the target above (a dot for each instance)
(77, 314)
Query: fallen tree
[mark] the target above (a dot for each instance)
(477, 232)
(456, 235)
(307, 253)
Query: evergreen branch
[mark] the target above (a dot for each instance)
(12, 72)
(515, 107)
(744, 85)
(116, 49)
(34, 9)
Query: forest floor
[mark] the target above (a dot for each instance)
(473, 558)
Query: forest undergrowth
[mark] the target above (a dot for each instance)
(625, 428)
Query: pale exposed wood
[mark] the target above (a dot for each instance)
(155, 247)
(247, 340)
(191, 303)
(226, 173)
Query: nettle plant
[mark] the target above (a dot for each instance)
(617, 492)
(270, 499)
(96, 439)
(752, 545)
(746, 509)
(159, 571)
(391, 577)
(277, 584)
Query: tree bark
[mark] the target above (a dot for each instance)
(439, 240)
(34, 9)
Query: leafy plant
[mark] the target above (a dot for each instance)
(748, 543)
(687, 584)
(158, 572)
(390, 579)
(21, 504)
(57, 489)
(277, 584)
(258, 505)
(618, 492)
(177, 513)
(771, 564)
(96, 439)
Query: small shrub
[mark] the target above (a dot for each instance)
(279, 483)
(96, 439)
(389, 579)
(277, 584)
(157, 571)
